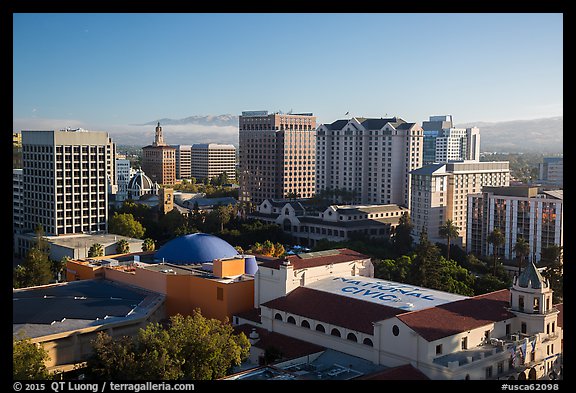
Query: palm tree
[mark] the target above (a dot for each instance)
(449, 231)
(496, 238)
(521, 248)
(148, 245)
(96, 250)
(122, 247)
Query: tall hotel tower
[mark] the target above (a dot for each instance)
(159, 160)
(277, 155)
(369, 157)
(65, 180)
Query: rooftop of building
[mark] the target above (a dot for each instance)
(406, 372)
(58, 308)
(328, 365)
(213, 146)
(195, 248)
(455, 317)
(318, 258)
(354, 314)
(86, 240)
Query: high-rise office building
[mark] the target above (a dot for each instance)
(440, 193)
(183, 161)
(159, 160)
(277, 155)
(443, 142)
(212, 159)
(517, 212)
(123, 174)
(551, 172)
(369, 158)
(17, 200)
(65, 181)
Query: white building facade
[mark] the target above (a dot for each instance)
(212, 159)
(336, 303)
(444, 143)
(440, 193)
(183, 161)
(370, 158)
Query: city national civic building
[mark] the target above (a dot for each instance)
(331, 299)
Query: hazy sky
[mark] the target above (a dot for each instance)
(99, 70)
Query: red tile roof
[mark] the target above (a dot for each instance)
(251, 315)
(334, 309)
(289, 347)
(406, 372)
(459, 316)
(345, 255)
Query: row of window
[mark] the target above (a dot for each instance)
(320, 328)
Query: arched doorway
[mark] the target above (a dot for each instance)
(532, 373)
(522, 376)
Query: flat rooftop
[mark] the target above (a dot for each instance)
(58, 308)
(384, 292)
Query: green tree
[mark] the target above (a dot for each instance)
(148, 245)
(394, 270)
(278, 250)
(96, 250)
(454, 278)
(489, 283)
(58, 267)
(496, 239)
(551, 256)
(36, 269)
(268, 248)
(449, 231)
(124, 224)
(521, 248)
(425, 269)
(402, 238)
(223, 215)
(28, 360)
(191, 347)
(122, 247)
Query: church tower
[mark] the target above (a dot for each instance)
(158, 139)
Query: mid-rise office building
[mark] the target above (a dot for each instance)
(159, 160)
(551, 172)
(370, 158)
(65, 176)
(17, 200)
(212, 159)
(277, 155)
(443, 142)
(183, 161)
(440, 193)
(517, 212)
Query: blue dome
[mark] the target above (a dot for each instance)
(195, 248)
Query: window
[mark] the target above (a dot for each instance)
(488, 372)
(335, 332)
(219, 293)
(439, 349)
(501, 367)
(508, 329)
(352, 337)
(305, 324)
(278, 317)
(523, 327)
(320, 328)
(368, 342)
(464, 343)
(395, 330)
(521, 303)
(291, 320)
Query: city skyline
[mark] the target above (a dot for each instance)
(113, 71)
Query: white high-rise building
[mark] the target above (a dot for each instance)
(370, 159)
(211, 159)
(123, 174)
(17, 200)
(65, 180)
(183, 161)
(440, 193)
(444, 143)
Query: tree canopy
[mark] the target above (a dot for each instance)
(28, 360)
(124, 224)
(191, 347)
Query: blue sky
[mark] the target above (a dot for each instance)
(108, 70)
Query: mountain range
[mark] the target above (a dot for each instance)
(544, 135)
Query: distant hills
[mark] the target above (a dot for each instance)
(521, 136)
(543, 135)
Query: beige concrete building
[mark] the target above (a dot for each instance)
(277, 155)
(212, 159)
(65, 180)
(183, 161)
(370, 158)
(440, 193)
(159, 160)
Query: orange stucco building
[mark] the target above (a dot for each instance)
(220, 293)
